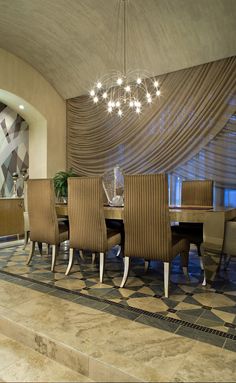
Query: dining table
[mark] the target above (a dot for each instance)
(187, 214)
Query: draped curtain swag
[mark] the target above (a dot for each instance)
(216, 161)
(195, 105)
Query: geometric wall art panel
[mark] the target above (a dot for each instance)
(14, 150)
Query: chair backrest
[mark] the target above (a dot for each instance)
(42, 212)
(146, 217)
(25, 196)
(25, 213)
(230, 238)
(86, 213)
(213, 234)
(197, 192)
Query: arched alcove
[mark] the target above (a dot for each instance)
(44, 111)
(37, 133)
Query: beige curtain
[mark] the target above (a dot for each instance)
(217, 160)
(195, 105)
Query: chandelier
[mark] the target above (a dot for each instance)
(126, 90)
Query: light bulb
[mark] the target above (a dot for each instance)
(131, 104)
(156, 84)
(109, 103)
(113, 104)
(99, 85)
(139, 80)
(158, 92)
(117, 104)
(138, 104)
(148, 95)
(149, 100)
(119, 81)
(21, 107)
(104, 95)
(109, 109)
(95, 100)
(92, 93)
(127, 88)
(120, 112)
(138, 110)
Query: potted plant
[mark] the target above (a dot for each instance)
(60, 184)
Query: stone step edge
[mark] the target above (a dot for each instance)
(64, 354)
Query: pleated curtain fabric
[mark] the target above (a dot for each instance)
(217, 160)
(195, 105)
(146, 217)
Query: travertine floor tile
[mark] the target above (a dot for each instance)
(206, 363)
(21, 364)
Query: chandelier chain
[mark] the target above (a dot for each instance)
(125, 25)
(125, 90)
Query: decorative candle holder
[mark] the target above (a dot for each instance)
(24, 176)
(113, 184)
(14, 189)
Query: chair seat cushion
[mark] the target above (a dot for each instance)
(211, 247)
(113, 238)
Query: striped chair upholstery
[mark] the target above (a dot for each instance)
(86, 218)
(229, 248)
(195, 193)
(26, 215)
(147, 225)
(44, 225)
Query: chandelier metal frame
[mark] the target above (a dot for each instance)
(126, 90)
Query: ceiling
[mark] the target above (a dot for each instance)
(72, 42)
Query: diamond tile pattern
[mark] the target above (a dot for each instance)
(188, 301)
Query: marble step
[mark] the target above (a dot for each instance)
(20, 363)
(55, 328)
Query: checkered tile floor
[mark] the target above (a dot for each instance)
(188, 301)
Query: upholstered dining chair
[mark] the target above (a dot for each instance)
(44, 225)
(211, 247)
(229, 246)
(26, 216)
(88, 229)
(147, 225)
(195, 193)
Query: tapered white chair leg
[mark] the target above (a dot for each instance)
(126, 271)
(93, 258)
(166, 278)
(26, 239)
(81, 254)
(70, 263)
(32, 248)
(204, 283)
(118, 247)
(101, 266)
(201, 263)
(146, 265)
(54, 255)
